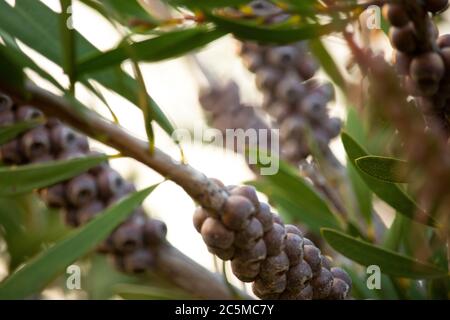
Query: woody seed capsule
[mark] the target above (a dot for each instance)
(216, 235)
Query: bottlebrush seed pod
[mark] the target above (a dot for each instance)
(216, 235)
(326, 262)
(247, 237)
(338, 273)
(244, 270)
(299, 275)
(224, 254)
(276, 284)
(427, 70)
(294, 248)
(404, 39)
(55, 196)
(307, 67)
(236, 212)
(306, 293)
(127, 237)
(89, 211)
(277, 219)
(6, 117)
(26, 113)
(274, 239)
(339, 290)
(6, 102)
(267, 78)
(290, 89)
(321, 284)
(35, 143)
(200, 215)
(10, 153)
(396, 15)
(138, 261)
(281, 56)
(435, 6)
(264, 216)
(312, 256)
(109, 183)
(290, 228)
(255, 254)
(274, 265)
(248, 192)
(444, 41)
(402, 63)
(155, 232)
(81, 190)
(63, 138)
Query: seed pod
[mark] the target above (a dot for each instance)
(298, 276)
(264, 216)
(262, 8)
(281, 56)
(402, 63)
(338, 273)
(290, 89)
(274, 240)
(138, 261)
(6, 117)
(223, 254)
(326, 262)
(81, 190)
(427, 70)
(244, 270)
(248, 192)
(247, 238)
(322, 284)
(267, 78)
(255, 254)
(276, 284)
(216, 235)
(127, 237)
(55, 196)
(444, 41)
(435, 6)
(6, 102)
(277, 219)
(105, 246)
(274, 266)
(306, 293)
(35, 143)
(339, 290)
(404, 39)
(333, 127)
(10, 153)
(155, 232)
(89, 211)
(70, 217)
(252, 61)
(26, 113)
(293, 127)
(294, 248)
(396, 15)
(307, 242)
(307, 67)
(200, 215)
(236, 212)
(312, 256)
(63, 138)
(109, 183)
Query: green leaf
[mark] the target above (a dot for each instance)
(384, 168)
(327, 63)
(7, 133)
(11, 73)
(250, 31)
(67, 35)
(206, 4)
(139, 292)
(36, 25)
(130, 9)
(390, 262)
(36, 274)
(388, 192)
(18, 180)
(297, 198)
(166, 46)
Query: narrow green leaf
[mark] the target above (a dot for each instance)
(36, 274)
(7, 133)
(388, 192)
(384, 168)
(250, 31)
(11, 73)
(18, 180)
(390, 262)
(327, 63)
(139, 292)
(166, 46)
(67, 35)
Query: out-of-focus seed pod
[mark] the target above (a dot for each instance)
(89, 211)
(274, 240)
(236, 212)
(312, 256)
(404, 39)
(127, 237)
(264, 287)
(427, 71)
(35, 143)
(274, 265)
(396, 15)
(333, 127)
(55, 196)
(199, 217)
(402, 63)
(248, 237)
(6, 117)
(26, 113)
(307, 67)
(294, 127)
(10, 153)
(267, 78)
(290, 89)
(138, 261)
(63, 138)
(281, 56)
(224, 254)
(109, 183)
(444, 41)
(216, 235)
(155, 232)
(294, 248)
(6, 102)
(326, 262)
(252, 61)
(435, 6)
(81, 190)
(277, 219)
(306, 293)
(244, 270)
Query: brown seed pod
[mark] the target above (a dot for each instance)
(294, 248)
(55, 196)
(138, 261)
(276, 284)
(341, 274)
(435, 6)
(244, 270)
(274, 240)
(264, 216)
(277, 219)
(274, 266)
(313, 257)
(236, 212)
(6, 117)
(248, 192)
(155, 232)
(290, 89)
(255, 254)
(247, 238)
(299, 276)
(26, 113)
(10, 153)
(109, 183)
(35, 143)
(322, 283)
(396, 15)
(89, 211)
(290, 228)
(6, 102)
(326, 262)
(216, 235)
(404, 38)
(200, 215)
(339, 290)
(282, 55)
(444, 41)
(427, 70)
(306, 293)
(402, 63)
(127, 237)
(223, 254)
(267, 78)
(81, 190)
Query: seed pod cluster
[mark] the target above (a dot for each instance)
(296, 101)
(423, 64)
(279, 261)
(133, 245)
